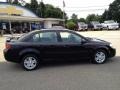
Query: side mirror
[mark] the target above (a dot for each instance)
(8, 39)
(83, 41)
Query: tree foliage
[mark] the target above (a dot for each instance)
(51, 11)
(16, 2)
(33, 5)
(71, 25)
(113, 13)
(45, 10)
(93, 17)
(27, 5)
(41, 10)
(82, 20)
(74, 18)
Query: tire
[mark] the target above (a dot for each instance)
(30, 62)
(100, 57)
(108, 28)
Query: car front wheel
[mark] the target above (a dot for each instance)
(30, 62)
(100, 57)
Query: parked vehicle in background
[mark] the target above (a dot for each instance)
(110, 24)
(96, 25)
(82, 26)
(90, 26)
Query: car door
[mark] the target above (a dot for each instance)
(47, 44)
(72, 46)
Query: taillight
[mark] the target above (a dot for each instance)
(7, 46)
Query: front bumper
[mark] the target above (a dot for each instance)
(112, 52)
(113, 27)
(98, 28)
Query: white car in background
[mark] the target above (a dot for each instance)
(96, 25)
(82, 26)
(110, 24)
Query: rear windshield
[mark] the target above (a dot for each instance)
(23, 37)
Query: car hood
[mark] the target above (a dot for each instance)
(84, 25)
(113, 24)
(96, 40)
(98, 24)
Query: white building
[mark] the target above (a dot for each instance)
(13, 16)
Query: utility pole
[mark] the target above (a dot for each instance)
(41, 9)
(64, 13)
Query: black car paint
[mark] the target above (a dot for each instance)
(84, 50)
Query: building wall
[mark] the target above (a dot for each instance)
(48, 24)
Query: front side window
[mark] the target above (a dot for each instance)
(45, 37)
(70, 37)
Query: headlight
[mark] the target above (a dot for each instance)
(111, 45)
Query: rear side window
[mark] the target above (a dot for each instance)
(45, 37)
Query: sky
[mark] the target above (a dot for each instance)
(80, 7)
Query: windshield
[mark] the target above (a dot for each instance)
(23, 37)
(111, 21)
(95, 22)
(81, 23)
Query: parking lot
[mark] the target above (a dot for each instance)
(65, 75)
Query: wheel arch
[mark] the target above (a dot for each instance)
(29, 51)
(104, 49)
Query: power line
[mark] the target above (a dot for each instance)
(89, 6)
(87, 10)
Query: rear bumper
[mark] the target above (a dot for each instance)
(11, 57)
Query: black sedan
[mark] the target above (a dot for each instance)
(30, 49)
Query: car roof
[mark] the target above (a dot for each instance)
(47, 30)
(53, 29)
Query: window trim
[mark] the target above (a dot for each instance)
(44, 42)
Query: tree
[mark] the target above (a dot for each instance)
(81, 20)
(45, 10)
(74, 18)
(53, 12)
(98, 18)
(113, 12)
(71, 25)
(106, 15)
(16, 2)
(34, 5)
(28, 6)
(41, 10)
(93, 17)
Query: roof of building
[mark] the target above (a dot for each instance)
(28, 18)
(22, 18)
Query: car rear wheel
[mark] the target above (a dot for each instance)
(30, 62)
(100, 57)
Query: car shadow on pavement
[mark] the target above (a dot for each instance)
(8, 66)
(75, 62)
